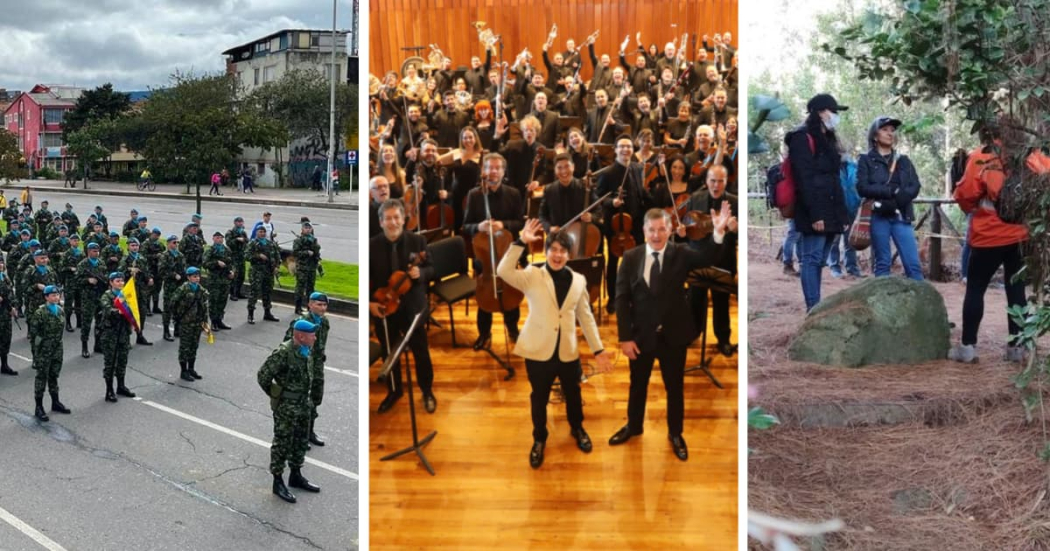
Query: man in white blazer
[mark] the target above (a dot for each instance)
(557, 298)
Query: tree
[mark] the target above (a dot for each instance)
(93, 105)
(10, 157)
(92, 143)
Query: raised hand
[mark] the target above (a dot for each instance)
(720, 219)
(530, 232)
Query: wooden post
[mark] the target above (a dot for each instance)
(935, 243)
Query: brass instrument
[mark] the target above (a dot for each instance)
(435, 60)
(374, 84)
(486, 36)
(464, 100)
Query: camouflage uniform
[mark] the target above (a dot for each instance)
(45, 327)
(307, 258)
(115, 334)
(98, 238)
(7, 301)
(101, 219)
(262, 271)
(42, 219)
(31, 294)
(290, 371)
(112, 254)
(11, 213)
(142, 287)
(152, 248)
(72, 220)
(190, 310)
(171, 263)
(90, 294)
(218, 279)
(14, 259)
(317, 358)
(66, 265)
(192, 247)
(129, 226)
(11, 240)
(237, 249)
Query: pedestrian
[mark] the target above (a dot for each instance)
(171, 271)
(225, 177)
(26, 198)
(92, 280)
(307, 253)
(218, 262)
(8, 311)
(315, 179)
(286, 378)
(216, 179)
(117, 324)
(265, 259)
(247, 181)
(317, 308)
(237, 241)
(190, 307)
(135, 265)
(45, 328)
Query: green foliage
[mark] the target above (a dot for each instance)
(94, 105)
(92, 142)
(300, 102)
(10, 158)
(759, 419)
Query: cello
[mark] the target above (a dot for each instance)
(441, 214)
(586, 238)
(492, 294)
(621, 223)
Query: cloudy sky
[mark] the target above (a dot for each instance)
(137, 44)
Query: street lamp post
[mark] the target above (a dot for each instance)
(331, 115)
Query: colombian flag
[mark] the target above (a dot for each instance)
(129, 307)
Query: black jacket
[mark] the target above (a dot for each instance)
(560, 204)
(819, 196)
(379, 270)
(892, 194)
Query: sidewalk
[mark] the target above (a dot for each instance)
(263, 196)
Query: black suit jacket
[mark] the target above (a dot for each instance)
(520, 157)
(642, 312)
(379, 269)
(550, 127)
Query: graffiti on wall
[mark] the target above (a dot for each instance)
(303, 155)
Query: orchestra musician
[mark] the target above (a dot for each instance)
(623, 181)
(565, 197)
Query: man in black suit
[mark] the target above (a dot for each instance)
(602, 125)
(391, 251)
(626, 175)
(521, 154)
(475, 76)
(550, 125)
(650, 290)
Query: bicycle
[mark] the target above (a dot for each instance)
(147, 183)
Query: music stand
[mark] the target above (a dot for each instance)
(716, 279)
(417, 444)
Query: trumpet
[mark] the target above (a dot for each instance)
(590, 37)
(206, 327)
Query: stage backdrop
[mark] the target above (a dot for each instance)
(396, 24)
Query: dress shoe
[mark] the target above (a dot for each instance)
(57, 405)
(583, 441)
(726, 349)
(430, 403)
(482, 341)
(623, 435)
(297, 480)
(280, 490)
(678, 445)
(123, 390)
(536, 454)
(389, 401)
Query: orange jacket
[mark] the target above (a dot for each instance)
(976, 194)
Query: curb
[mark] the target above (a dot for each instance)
(335, 305)
(219, 199)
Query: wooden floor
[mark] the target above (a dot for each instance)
(486, 496)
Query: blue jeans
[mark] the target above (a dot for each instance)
(965, 263)
(815, 249)
(849, 254)
(882, 230)
(791, 244)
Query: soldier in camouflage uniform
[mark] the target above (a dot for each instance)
(285, 377)
(135, 265)
(130, 224)
(11, 212)
(89, 226)
(195, 219)
(34, 279)
(14, 258)
(265, 260)
(45, 328)
(70, 219)
(237, 240)
(97, 236)
(8, 310)
(92, 280)
(191, 313)
(152, 248)
(66, 266)
(51, 234)
(307, 261)
(42, 219)
(59, 244)
(171, 270)
(112, 253)
(115, 333)
(220, 273)
(13, 236)
(142, 232)
(101, 218)
(192, 245)
(315, 314)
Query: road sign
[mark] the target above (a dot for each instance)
(351, 157)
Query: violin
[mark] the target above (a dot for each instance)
(440, 215)
(412, 198)
(621, 224)
(389, 297)
(698, 225)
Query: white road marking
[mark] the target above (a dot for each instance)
(44, 541)
(23, 358)
(343, 371)
(245, 437)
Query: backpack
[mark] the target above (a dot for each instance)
(773, 177)
(848, 179)
(1009, 203)
(787, 188)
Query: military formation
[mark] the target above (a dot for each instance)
(63, 278)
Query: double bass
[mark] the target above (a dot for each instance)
(440, 215)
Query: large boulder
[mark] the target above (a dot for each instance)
(882, 320)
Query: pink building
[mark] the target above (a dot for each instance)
(35, 118)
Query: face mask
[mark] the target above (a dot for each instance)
(53, 308)
(193, 287)
(304, 350)
(832, 121)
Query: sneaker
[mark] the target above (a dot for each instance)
(836, 273)
(857, 274)
(1015, 354)
(965, 353)
(789, 269)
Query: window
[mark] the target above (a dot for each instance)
(262, 169)
(50, 139)
(53, 116)
(315, 40)
(269, 73)
(275, 44)
(256, 76)
(262, 47)
(304, 40)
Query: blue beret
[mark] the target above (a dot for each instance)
(25, 232)
(304, 326)
(238, 219)
(217, 234)
(39, 253)
(307, 225)
(193, 270)
(156, 231)
(44, 202)
(317, 295)
(75, 236)
(34, 242)
(196, 215)
(50, 289)
(134, 211)
(142, 218)
(114, 234)
(193, 224)
(115, 275)
(172, 237)
(92, 245)
(133, 240)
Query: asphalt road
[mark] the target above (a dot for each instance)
(184, 465)
(335, 229)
